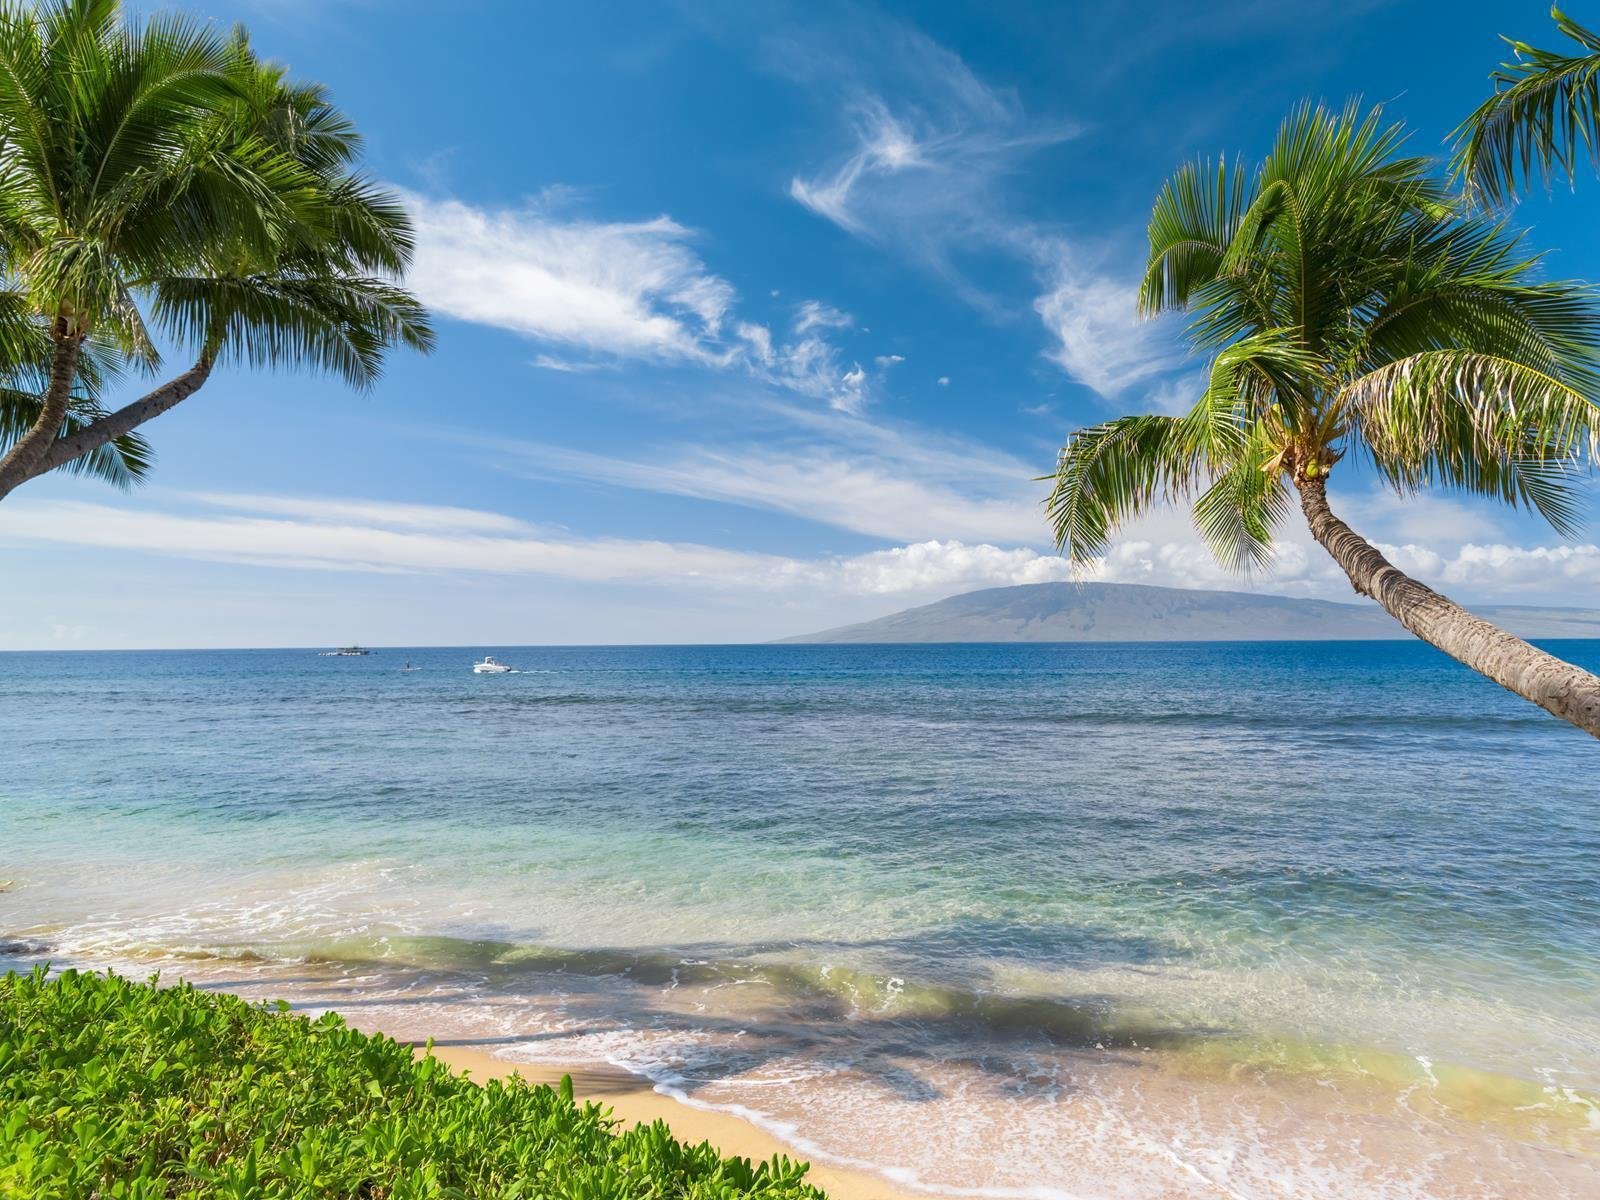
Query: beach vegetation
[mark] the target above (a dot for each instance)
(116, 1089)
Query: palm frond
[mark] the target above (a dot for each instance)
(1238, 514)
(1191, 227)
(1474, 290)
(154, 172)
(368, 227)
(154, 89)
(343, 325)
(123, 462)
(1404, 407)
(1543, 117)
(1263, 372)
(1459, 460)
(1109, 474)
(25, 100)
(1479, 423)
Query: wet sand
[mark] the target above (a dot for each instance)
(634, 1101)
(766, 1073)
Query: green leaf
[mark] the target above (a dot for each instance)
(1541, 121)
(1347, 309)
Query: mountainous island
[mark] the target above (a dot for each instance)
(1129, 612)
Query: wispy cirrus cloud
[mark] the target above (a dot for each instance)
(869, 475)
(926, 178)
(865, 493)
(813, 314)
(385, 514)
(363, 536)
(807, 362)
(355, 535)
(1099, 339)
(602, 293)
(367, 536)
(926, 172)
(927, 143)
(879, 173)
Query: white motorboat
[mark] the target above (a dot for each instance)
(490, 666)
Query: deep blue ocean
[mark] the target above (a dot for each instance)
(1130, 914)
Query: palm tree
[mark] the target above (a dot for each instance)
(160, 181)
(1350, 309)
(1543, 117)
(25, 352)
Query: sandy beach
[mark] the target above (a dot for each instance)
(904, 602)
(847, 905)
(1008, 1142)
(635, 1101)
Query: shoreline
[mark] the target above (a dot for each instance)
(1159, 1167)
(634, 1100)
(736, 1131)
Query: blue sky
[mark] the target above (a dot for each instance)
(753, 319)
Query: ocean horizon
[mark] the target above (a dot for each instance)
(1043, 920)
(1071, 534)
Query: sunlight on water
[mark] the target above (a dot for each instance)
(1139, 921)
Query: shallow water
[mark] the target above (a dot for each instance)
(1132, 921)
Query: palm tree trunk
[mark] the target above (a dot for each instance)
(19, 463)
(1558, 687)
(62, 450)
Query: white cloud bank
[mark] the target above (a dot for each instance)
(374, 536)
(631, 289)
(1531, 573)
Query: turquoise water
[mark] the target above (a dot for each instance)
(1097, 913)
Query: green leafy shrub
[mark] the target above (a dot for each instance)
(127, 1091)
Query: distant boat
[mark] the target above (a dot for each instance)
(490, 666)
(346, 652)
(409, 667)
